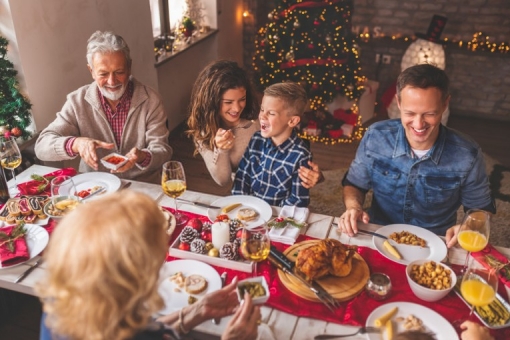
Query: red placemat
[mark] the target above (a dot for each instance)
(355, 311)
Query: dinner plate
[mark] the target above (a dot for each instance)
(37, 239)
(260, 206)
(91, 179)
(176, 298)
(433, 322)
(435, 250)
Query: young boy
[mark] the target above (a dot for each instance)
(269, 167)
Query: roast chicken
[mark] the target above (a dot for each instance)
(328, 256)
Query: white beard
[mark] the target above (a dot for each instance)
(113, 95)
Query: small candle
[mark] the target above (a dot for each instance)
(220, 234)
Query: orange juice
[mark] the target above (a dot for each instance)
(472, 240)
(477, 293)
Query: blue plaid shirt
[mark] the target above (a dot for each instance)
(270, 172)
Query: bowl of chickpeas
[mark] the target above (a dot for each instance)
(430, 280)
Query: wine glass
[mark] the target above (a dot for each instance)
(63, 194)
(10, 158)
(479, 286)
(474, 232)
(255, 244)
(173, 182)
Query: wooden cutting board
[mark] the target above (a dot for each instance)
(341, 288)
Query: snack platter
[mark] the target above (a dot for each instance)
(28, 209)
(243, 266)
(488, 325)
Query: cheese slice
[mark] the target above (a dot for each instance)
(230, 207)
(381, 321)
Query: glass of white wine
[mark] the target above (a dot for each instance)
(255, 244)
(173, 182)
(63, 194)
(10, 158)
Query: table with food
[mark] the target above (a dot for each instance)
(309, 279)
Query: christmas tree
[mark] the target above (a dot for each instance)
(15, 114)
(311, 43)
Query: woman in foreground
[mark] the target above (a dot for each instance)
(102, 278)
(222, 107)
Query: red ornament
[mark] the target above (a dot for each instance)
(7, 134)
(239, 233)
(315, 86)
(316, 22)
(206, 235)
(222, 217)
(16, 131)
(195, 223)
(311, 46)
(184, 246)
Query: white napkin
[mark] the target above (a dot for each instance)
(289, 233)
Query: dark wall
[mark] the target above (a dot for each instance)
(480, 80)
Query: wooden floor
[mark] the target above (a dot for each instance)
(20, 314)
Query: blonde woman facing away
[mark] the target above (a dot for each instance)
(102, 278)
(222, 106)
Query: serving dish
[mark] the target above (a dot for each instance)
(114, 161)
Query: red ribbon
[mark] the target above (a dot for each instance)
(303, 62)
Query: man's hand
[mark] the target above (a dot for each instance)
(348, 221)
(451, 235)
(134, 156)
(310, 177)
(86, 148)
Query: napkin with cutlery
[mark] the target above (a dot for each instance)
(41, 185)
(287, 226)
(13, 246)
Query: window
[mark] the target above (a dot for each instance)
(167, 15)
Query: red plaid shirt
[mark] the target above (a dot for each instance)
(116, 119)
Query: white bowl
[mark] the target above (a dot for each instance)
(428, 294)
(113, 166)
(260, 299)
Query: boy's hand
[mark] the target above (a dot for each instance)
(310, 177)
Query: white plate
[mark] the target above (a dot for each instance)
(260, 206)
(432, 321)
(167, 289)
(91, 179)
(37, 239)
(435, 250)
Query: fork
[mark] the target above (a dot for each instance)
(327, 299)
(361, 330)
(245, 126)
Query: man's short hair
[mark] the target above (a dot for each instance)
(293, 94)
(424, 76)
(106, 42)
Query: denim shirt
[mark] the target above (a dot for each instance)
(270, 172)
(424, 192)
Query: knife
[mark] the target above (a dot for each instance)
(223, 276)
(28, 271)
(103, 189)
(197, 203)
(372, 233)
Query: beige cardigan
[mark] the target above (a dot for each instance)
(82, 116)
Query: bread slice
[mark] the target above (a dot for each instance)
(246, 214)
(195, 284)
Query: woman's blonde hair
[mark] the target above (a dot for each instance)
(103, 263)
(206, 96)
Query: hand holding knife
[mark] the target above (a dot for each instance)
(223, 277)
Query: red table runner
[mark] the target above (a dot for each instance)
(355, 311)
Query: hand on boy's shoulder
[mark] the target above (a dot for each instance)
(310, 176)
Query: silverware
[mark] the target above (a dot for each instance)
(103, 189)
(244, 126)
(367, 232)
(127, 185)
(28, 271)
(182, 200)
(223, 276)
(321, 294)
(361, 330)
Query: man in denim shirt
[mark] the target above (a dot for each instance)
(419, 170)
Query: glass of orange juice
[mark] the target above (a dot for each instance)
(479, 286)
(474, 232)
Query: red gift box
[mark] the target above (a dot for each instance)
(347, 116)
(20, 253)
(335, 133)
(490, 257)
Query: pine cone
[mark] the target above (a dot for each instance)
(206, 226)
(188, 234)
(198, 246)
(228, 251)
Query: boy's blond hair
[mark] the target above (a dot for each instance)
(293, 94)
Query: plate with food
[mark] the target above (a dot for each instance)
(250, 210)
(411, 242)
(183, 282)
(338, 268)
(37, 239)
(29, 209)
(95, 183)
(406, 316)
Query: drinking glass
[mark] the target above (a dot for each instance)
(173, 182)
(474, 232)
(63, 194)
(255, 244)
(479, 286)
(10, 158)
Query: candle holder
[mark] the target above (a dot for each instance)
(378, 286)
